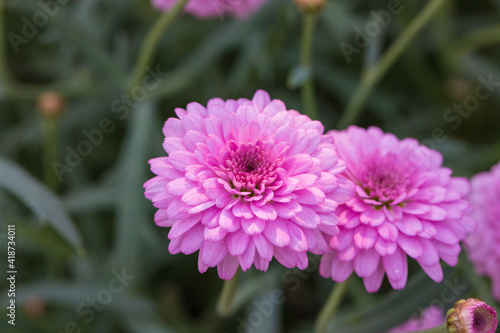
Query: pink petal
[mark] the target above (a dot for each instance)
(180, 227)
(365, 237)
(415, 208)
(341, 270)
(396, 268)
(298, 240)
(409, 225)
(277, 233)
(194, 196)
(287, 209)
(307, 218)
(366, 262)
(246, 259)
(253, 226)
(435, 272)
(265, 212)
(228, 221)
(435, 213)
(192, 240)
(261, 99)
(385, 247)
(388, 231)
(214, 234)
(228, 267)
(306, 180)
(263, 246)
(373, 282)
(286, 257)
(237, 242)
(212, 253)
(310, 196)
(411, 246)
(342, 240)
(181, 159)
(242, 209)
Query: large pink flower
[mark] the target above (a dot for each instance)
(484, 245)
(406, 203)
(246, 181)
(214, 8)
(430, 318)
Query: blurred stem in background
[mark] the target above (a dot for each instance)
(307, 89)
(149, 46)
(373, 75)
(225, 301)
(50, 105)
(331, 306)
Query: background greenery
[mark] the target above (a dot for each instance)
(71, 238)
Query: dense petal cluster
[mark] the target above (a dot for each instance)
(214, 8)
(430, 317)
(484, 244)
(406, 203)
(246, 181)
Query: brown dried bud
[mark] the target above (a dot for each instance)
(471, 316)
(51, 104)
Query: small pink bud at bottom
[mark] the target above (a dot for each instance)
(471, 316)
(51, 104)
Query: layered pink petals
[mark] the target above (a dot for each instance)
(214, 8)
(247, 181)
(406, 205)
(483, 245)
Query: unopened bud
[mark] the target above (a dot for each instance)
(51, 104)
(471, 316)
(310, 5)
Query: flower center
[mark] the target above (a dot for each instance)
(250, 167)
(386, 181)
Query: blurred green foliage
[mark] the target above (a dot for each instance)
(99, 223)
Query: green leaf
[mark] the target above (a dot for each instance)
(39, 199)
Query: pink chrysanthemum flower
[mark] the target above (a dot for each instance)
(430, 318)
(214, 8)
(406, 203)
(483, 245)
(471, 316)
(246, 181)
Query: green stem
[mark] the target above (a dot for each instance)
(225, 301)
(152, 39)
(50, 151)
(373, 75)
(439, 329)
(307, 90)
(330, 308)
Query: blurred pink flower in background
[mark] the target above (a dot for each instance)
(214, 8)
(429, 318)
(406, 203)
(246, 181)
(484, 245)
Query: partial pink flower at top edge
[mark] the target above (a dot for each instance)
(406, 204)
(484, 245)
(429, 318)
(246, 181)
(214, 8)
